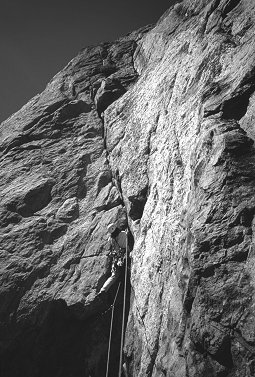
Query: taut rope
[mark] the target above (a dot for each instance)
(124, 309)
(110, 336)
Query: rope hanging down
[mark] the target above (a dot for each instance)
(110, 336)
(124, 308)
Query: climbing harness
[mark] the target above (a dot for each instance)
(124, 309)
(110, 336)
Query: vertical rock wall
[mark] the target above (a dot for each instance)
(187, 168)
(154, 131)
(58, 194)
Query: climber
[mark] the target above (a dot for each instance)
(118, 240)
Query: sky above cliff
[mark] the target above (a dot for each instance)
(38, 38)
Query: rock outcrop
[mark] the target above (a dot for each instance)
(155, 132)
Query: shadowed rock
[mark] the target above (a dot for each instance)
(108, 92)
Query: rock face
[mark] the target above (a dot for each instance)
(155, 131)
(57, 197)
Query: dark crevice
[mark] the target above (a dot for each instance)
(229, 7)
(115, 177)
(223, 354)
(190, 294)
(109, 91)
(235, 108)
(240, 256)
(72, 110)
(137, 203)
(118, 182)
(85, 161)
(208, 271)
(244, 217)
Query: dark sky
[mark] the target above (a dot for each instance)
(38, 38)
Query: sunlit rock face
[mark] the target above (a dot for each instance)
(187, 169)
(155, 131)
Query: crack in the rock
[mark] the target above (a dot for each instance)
(234, 334)
(231, 4)
(236, 106)
(117, 184)
(212, 8)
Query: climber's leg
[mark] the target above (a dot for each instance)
(110, 281)
(124, 370)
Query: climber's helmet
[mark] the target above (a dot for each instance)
(111, 228)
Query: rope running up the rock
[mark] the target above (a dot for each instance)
(110, 336)
(124, 309)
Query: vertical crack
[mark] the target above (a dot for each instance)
(116, 181)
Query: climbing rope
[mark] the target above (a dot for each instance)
(124, 309)
(110, 336)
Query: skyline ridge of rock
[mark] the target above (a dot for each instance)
(154, 132)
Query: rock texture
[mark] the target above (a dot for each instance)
(155, 131)
(57, 197)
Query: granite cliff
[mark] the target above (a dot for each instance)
(156, 133)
